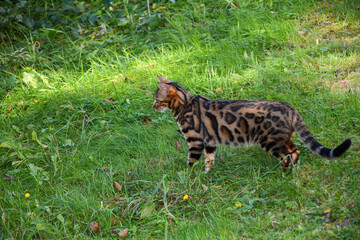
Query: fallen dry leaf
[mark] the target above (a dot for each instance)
(109, 100)
(117, 186)
(94, 226)
(171, 222)
(146, 120)
(178, 146)
(342, 84)
(267, 52)
(123, 233)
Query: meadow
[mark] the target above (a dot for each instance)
(83, 155)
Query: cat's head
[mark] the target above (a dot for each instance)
(163, 95)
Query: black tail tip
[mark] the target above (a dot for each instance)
(342, 148)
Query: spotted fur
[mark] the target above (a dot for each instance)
(206, 123)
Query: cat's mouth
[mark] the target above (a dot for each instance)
(162, 109)
(159, 108)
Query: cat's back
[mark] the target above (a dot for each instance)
(243, 107)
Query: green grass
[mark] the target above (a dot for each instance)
(76, 115)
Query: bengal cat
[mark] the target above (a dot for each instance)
(207, 123)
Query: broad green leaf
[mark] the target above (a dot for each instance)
(7, 145)
(34, 136)
(29, 79)
(17, 129)
(60, 218)
(147, 211)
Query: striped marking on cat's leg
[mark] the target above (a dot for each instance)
(195, 151)
(209, 157)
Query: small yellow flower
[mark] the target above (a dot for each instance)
(186, 197)
(238, 204)
(27, 195)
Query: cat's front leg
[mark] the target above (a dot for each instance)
(195, 150)
(209, 157)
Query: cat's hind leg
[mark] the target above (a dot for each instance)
(289, 154)
(286, 150)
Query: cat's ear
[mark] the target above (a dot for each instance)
(171, 91)
(162, 79)
(166, 90)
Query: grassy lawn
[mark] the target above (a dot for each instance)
(76, 116)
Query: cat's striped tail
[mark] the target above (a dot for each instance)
(313, 145)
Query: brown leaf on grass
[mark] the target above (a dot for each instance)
(110, 99)
(177, 145)
(146, 120)
(267, 52)
(123, 233)
(301, 33)
(94, 226)
(117, 186)
(171, 221)
(342, 84)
